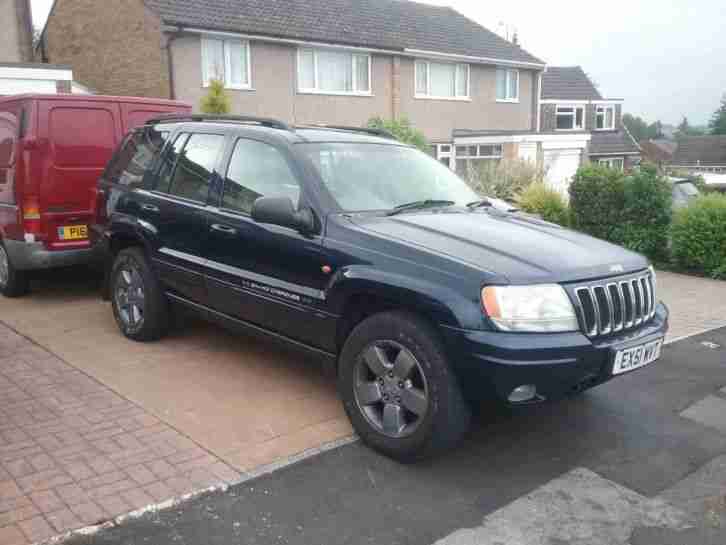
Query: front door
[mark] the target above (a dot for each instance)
(264, 274)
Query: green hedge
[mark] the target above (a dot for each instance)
(633, 211)
(545, 202)
(699, 236)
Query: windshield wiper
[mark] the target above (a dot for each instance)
(479, 204)
(427, 203)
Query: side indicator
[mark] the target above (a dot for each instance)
(327, 269)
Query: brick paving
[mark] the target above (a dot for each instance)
(73, 453)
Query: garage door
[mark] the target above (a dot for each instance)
(561, 165)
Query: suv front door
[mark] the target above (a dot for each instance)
(265, 274)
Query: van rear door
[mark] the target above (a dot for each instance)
(11, 119)
(136, 114)
(81, 137)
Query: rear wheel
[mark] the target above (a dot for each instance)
(398, 389)
(13, 283)
(139, 305)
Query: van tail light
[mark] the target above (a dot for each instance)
(31, 217)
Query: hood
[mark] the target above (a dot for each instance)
(521, 248)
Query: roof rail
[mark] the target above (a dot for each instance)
(367, 130)
(264, 121)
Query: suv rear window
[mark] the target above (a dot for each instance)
(136, 156)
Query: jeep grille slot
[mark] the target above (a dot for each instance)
(615, 304)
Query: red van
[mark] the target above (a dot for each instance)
(53, 149)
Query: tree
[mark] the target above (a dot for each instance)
(216, 101)
(402, 130)
(685, 129)
(717, 125)
(636, 126)
(655, 130)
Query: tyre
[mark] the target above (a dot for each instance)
(13, 283)
(139, 305)
(398, 388)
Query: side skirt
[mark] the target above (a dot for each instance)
(328, 359)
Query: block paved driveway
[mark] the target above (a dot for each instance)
(92, 425)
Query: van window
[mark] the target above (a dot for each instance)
(195, 165)
(75, 143)
(135, 156)
(9, 127)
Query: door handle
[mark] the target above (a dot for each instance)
(150, 207)
(224, 229)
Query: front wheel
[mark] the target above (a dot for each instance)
(13, 283)
(138, 301)
(398, 388)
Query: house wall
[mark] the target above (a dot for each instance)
(274, 92)
(16, 36)
(438, 118)
(115, 48)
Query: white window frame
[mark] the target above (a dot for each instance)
(227, 62)
(316, 91)
(603, 110)
(574, 107)
(427, 95)
(608, 162)
(509, 98)
(446, 151)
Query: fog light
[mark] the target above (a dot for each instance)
(523, 393)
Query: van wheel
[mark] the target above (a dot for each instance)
(13, 283)
(139, 305)
(398, 388)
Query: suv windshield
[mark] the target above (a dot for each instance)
(364, 177)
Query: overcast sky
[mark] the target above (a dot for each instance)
(666, 58)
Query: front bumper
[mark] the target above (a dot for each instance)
(491, 363)
(26, 256)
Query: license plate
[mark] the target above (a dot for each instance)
(637, 356)
(73, 232)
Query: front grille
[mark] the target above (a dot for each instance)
(615, 305)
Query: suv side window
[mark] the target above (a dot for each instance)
(135, 157)
(168, 162)
(257, 169)
(195, 165)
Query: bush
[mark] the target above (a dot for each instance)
(402, 130)
(699, 236)
(545, 202)
(216, 101)
(501, 179)
(597, 198)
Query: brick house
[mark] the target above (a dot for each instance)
(318, 61)
(16, 39)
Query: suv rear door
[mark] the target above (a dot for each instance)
(265, 274)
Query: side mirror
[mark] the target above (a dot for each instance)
(281, 211)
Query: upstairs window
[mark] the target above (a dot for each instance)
(507, 85)
(570, 118)
(442, 80)
(335, 72)
(605, 118)
(227, 61)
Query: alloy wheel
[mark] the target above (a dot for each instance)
(4, 267)
(129, 296)
(390, 388)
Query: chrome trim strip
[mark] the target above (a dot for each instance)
(171, 199)
(247, 275)
(637, 298)
(589, 332)
(596, 307)
(616, 327)
(604, 330)
(11, 206)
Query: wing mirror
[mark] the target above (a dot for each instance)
(281, 211)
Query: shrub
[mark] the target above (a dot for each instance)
(699, 235)
(647, 213)
(545, 202)
(216, 101)
(503, 179)
(402, 130)
(597, 198)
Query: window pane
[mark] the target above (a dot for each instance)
(443, 79)
(136, 157)
(306, 69)
(600, 120)
(421, 81)
(513, 91)
(564, 110)
(565, 121)
(361, 73)
(256, 170)
(335, 71)
(609, 118)
(579, 112)
(237, 52)
(168, 162)
(462, 83)
(213, 55)
(501, 84)
(191, 177)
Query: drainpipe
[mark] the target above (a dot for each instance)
(171, 34)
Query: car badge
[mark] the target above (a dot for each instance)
(617, 268)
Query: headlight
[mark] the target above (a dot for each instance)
(540, 308)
